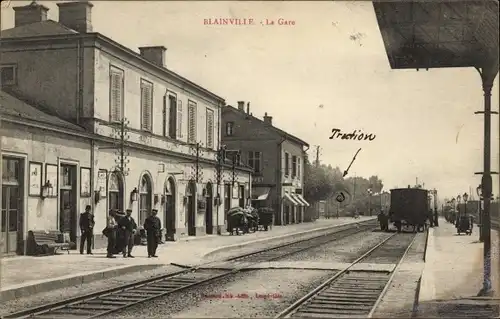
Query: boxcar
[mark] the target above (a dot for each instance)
(409, 207)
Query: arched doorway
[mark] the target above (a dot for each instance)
(209, 224)
(191, 208)
(170, 211)
(115, 192)
(145, 198)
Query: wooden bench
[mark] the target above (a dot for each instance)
(42, 242)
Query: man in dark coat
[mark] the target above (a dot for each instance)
(86, 229)
(127, 227)
(152, 225)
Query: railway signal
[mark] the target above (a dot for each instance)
(340, 197)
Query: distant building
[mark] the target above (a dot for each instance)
(277, 158)
(148, 135)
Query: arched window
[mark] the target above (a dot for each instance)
(144, 198)
(115, 192)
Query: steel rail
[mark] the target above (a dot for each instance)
(136, 285)
(391, 278)
(289, 311)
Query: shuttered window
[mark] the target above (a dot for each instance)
(146, 106)
(294, 166)
(116, 82)
(179, 119)
(191, 122)
(164, 116)
(172, 123)
(210, 128)
(287, 164)
(255, 161)
(298, 168)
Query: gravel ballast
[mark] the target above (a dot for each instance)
(79, 290)
(252, 294)
(343, 250)
(220, 255)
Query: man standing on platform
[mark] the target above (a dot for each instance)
(128, 227)
(86, 229)
(152, 225)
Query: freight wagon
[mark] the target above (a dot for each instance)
(409, 207)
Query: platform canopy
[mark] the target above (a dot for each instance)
(439, 33)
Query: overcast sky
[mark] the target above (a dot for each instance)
(328, 71)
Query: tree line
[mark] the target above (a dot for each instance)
(325, 182)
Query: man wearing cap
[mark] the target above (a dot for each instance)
(152, 225)
(128, 227)
(86, 229)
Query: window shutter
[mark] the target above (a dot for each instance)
(192, 123)
(210, 128)
(146, 106)
(179, 118)
(164, 115)
(116, 101)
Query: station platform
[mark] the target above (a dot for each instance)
(22, 275)
(453, 275)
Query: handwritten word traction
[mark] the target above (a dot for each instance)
(256, 295)
(336, 133)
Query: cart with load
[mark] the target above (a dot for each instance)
(464, 225)
(253, 219)
(237, 220)
(266, 216)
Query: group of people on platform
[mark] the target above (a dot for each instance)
(121, 230)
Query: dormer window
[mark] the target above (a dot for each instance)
(229, 128)
(8, 75)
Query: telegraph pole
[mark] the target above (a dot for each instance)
(221, 155)
(122, 137)
(317, 156)
(197, 174)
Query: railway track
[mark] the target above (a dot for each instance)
(353, 294)
(111, 300)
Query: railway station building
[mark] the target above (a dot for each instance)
(87, 121)
(277, 158)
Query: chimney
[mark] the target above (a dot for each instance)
(241, 106)
(76, 15)
(268, 119)
(154, 54)
(31, 13)
(248, 108)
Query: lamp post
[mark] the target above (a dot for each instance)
(459, 199)
(480, 214)
(370, 192)
(465, 196)
(436, 222)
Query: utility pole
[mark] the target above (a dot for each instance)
(235, 161)
(436, 219)
(221, 155)
(121, 135)
(354, 193)
(317, 156)
(197, 174)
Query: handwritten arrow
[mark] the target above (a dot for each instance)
(352, 161)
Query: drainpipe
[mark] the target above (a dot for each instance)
(219, 118)
(278, 180)
(79, 79)
(92, 167)
(304, 153)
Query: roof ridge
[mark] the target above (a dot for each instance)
(283, 132)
